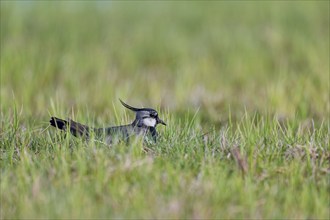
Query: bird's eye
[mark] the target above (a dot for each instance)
(153, 114)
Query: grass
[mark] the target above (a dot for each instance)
(243, 87)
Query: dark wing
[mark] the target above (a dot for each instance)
(76, 128)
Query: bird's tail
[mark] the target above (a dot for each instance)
(76, 128)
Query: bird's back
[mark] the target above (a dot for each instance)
(120, 133)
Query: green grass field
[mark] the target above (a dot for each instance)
(243, 87)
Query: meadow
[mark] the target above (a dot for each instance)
(243, 87)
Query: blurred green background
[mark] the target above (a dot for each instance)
(269, 57)
(257, 72)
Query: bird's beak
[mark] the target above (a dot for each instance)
(160, 121)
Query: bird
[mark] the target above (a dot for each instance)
(146, 120)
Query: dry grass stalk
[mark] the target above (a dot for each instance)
(240, 159)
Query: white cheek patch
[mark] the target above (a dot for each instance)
(150, 122)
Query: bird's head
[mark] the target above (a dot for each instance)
(147, 117)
